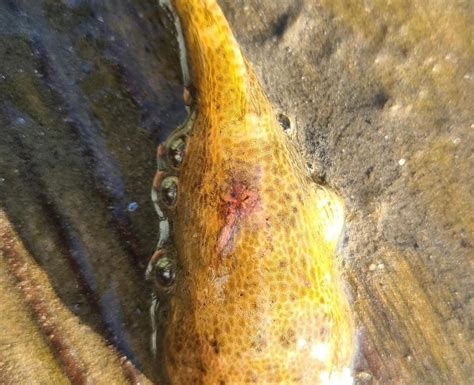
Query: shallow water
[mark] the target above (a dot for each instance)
(380, 96)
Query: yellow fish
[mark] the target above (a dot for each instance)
(247, 242)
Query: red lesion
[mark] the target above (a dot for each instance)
(238, 203)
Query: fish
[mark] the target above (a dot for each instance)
(245, 275)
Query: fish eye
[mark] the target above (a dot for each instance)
(176, 151)
(165, 272)
(284, 121)
(169, 190)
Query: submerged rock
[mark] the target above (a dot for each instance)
(379, 97)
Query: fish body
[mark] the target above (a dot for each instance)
(255, 295)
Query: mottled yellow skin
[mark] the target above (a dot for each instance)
(258, 297)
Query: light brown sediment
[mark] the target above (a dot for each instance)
(63, 339)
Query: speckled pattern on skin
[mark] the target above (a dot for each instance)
(258, 298)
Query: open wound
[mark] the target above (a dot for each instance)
(241, 201)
